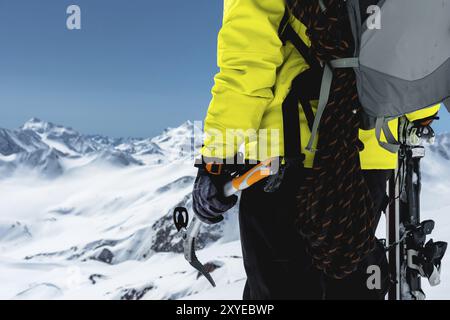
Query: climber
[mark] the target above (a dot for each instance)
(269, 81)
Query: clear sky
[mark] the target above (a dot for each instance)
(135, 67)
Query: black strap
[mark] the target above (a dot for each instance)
(309, 114)
(283, 24)
(291, 129)
(385, 203)
(287, 33)
(305, 87)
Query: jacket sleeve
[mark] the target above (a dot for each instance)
(249, 53)
(424, 113)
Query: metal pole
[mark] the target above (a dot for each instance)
(393, 236)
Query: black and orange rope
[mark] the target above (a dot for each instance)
(335, 209)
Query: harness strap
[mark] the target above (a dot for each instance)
(325, 88)
(382, 125)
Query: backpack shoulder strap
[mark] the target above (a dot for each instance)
(290, 107)
(287, 34)
(382, 125)
(325, 89)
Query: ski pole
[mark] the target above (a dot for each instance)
(413, 258)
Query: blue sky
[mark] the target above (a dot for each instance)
(135, 68)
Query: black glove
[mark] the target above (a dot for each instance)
(208, 201)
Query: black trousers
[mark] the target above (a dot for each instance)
(275, 259)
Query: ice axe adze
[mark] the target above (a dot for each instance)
(190, 231)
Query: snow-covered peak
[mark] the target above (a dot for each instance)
(13, 142)
(33, 122)
(37, 125)
(180, 142)
(48, 128)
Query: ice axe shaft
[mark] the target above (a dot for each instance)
(259, 172)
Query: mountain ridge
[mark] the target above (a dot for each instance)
(49, 148)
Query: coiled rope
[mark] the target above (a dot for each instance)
(335, 209)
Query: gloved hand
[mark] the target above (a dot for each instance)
(209, 203)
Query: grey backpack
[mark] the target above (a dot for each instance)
(401, 66)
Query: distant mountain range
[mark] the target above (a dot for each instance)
(90, 217)
(52, 149)
(93, 204)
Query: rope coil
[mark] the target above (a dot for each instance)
(335, 209)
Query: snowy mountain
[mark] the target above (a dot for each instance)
(51, 150)
(90, 217)
(23, 148)
(87, 216)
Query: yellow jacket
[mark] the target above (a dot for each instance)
(255, 77)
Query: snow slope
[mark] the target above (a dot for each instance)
(92, 218)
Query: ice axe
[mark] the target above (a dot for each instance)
(191, 230)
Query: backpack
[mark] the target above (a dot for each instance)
(401, 67)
